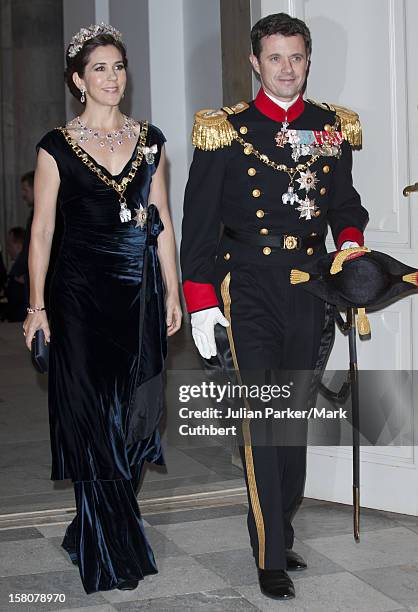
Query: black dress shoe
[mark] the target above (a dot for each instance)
(294, 562)
(129, 585)
(276, 584)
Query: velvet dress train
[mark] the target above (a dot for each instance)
(107, 351)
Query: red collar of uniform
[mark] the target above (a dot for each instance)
(274, 111)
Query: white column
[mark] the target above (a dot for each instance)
(76, 14)
(268, 7)
(262, 8)
(132, 21)
(297, 8)
(185, 75)
(168, 94)
(102, 11)
(202, 58)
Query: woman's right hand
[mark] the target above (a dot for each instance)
(32, 323)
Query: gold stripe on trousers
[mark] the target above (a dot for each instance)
(248, 451)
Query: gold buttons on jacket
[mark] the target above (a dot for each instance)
(327, 127)
(256, 193)
(264, 231)
(266, 251)
(260, 213)
(309, 251)
(325, 169)
(251, 171)
(323, 191)
(317, 213)
(248, 149)
(243, 129)
(227, 256)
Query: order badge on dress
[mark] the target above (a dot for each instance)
(149, 153)
(140, 217)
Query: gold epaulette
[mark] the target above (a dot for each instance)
(349, 122)
(212, 130)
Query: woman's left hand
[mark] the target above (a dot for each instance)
(174, 314)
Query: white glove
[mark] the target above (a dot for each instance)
(203, 330)
(348, 245)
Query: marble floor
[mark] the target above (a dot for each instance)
(205, 564)
(199, 538)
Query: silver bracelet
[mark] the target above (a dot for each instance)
(31, 310)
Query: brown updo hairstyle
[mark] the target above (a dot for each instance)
(79, 62)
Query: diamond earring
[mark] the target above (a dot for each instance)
(83, 97)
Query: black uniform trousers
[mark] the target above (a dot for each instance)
(274, 326)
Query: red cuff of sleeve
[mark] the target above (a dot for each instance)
(352, 234)
(199, 296)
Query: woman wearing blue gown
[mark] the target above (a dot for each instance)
(113, 300)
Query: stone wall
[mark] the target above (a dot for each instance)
(32, 93)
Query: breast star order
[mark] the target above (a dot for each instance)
(140, 217)
(306, 208)
(307, 180)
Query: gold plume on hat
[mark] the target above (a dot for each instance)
(411, 278)
(337, 264)
(298, 276)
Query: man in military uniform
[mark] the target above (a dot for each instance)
(266, 179)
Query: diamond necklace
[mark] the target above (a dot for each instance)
(108, 139)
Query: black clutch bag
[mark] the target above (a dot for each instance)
(40, 352)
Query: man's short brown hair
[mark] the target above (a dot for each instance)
(279, 23)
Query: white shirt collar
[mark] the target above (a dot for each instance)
(284, 105)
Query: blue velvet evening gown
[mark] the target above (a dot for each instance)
(107, 351)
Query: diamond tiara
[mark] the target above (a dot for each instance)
(86, 34)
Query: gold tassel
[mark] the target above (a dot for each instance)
(298, 276)
(337, 264)
(349, 122)
(411, 278)
(212, 130)
(363, 323)
(350, 125)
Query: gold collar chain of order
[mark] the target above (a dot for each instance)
(118, 187)
(249, 149)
